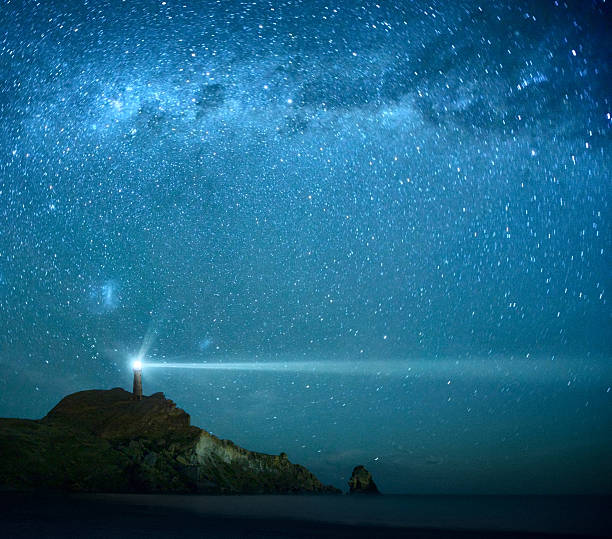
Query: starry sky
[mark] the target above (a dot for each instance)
(416, 193)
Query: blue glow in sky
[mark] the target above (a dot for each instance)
(399, 184)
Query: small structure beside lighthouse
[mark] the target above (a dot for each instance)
(137, 390)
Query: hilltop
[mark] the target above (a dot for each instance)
(107, 441)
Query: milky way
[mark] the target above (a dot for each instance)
(319, 181)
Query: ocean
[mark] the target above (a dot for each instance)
(135, 515)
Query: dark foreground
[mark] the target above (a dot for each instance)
(149, 516)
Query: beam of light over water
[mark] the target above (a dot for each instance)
(316, 366)
(479, 368)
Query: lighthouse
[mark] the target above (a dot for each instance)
(137, 391)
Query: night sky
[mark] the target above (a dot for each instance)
(410, 198)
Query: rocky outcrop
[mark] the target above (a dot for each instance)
(106, 441)
(361, 482)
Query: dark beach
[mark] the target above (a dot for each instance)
(151, 516)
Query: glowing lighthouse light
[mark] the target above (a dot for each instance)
(137, 365)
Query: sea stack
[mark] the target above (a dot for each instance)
(361, 482)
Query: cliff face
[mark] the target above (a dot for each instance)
(105, 441)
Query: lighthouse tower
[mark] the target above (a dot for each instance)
(137, 391)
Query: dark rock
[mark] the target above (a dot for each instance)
(361, 482)
(105, 441)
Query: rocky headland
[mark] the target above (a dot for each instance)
(107, 441)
